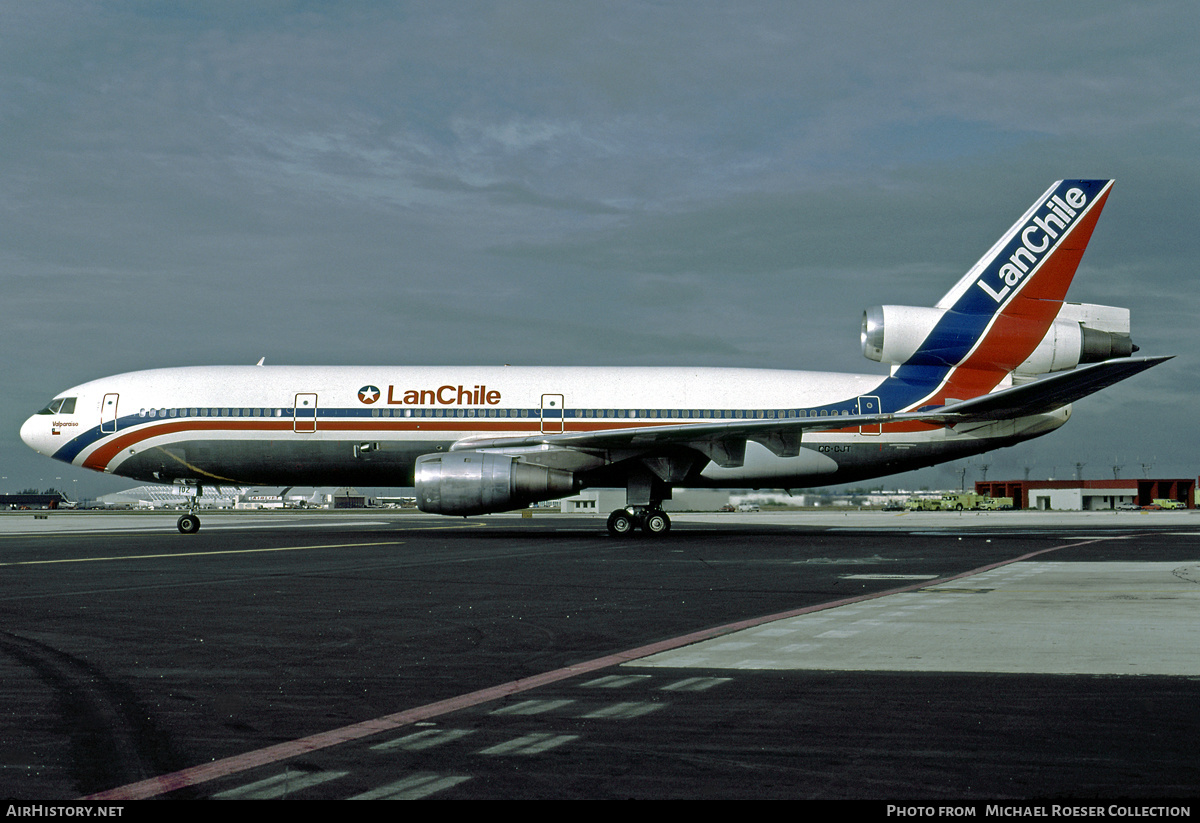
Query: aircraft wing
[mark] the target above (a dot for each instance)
(723, 441)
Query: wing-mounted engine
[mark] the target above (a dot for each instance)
(479, 482)
(1080, 333)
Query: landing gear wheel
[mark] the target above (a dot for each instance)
(656, 523)
(188, 524)
(620, 523)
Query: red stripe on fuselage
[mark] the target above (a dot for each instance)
(109, 448)
(99, 459)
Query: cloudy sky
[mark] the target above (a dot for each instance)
(709, 183)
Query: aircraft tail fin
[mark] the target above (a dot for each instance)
(1036, 258)
(1003, 309)
(1015, 291)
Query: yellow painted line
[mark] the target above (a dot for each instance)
(202, 554)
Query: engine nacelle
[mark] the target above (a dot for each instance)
(892, 334)
(1081, 333)
(477, 482)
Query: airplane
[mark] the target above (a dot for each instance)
(998, 360)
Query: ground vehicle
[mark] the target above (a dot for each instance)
(959, 501)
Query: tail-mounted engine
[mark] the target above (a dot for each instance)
(1081, 333)
(476, 482)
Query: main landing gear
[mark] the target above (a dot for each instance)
(653, 521)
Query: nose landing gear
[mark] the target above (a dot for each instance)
(190, 522)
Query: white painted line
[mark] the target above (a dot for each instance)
(624, 711)
(530, 744)
(413, 787)
(695, 684)
(422, 740)
(281, 785)
(533, 707)
(614, 681)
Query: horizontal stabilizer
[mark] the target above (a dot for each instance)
(1051, 392)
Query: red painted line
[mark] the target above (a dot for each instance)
(110, 447)
(272, 754)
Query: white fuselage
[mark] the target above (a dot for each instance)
(367, 425)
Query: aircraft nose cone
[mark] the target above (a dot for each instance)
(33, 432)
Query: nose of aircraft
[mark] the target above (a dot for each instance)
(36, 433)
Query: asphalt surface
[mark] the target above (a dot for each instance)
(383, 655)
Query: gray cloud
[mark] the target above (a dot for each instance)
(644, 183)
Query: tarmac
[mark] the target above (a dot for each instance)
(1012, 656)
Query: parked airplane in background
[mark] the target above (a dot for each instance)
(998, 360)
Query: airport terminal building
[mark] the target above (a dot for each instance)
(1089, 495)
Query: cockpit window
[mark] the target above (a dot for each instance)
(60, 405)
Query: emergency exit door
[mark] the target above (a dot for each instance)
(552, 413)
(304, 413)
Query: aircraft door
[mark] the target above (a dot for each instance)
(869, 405)
(552, 413)
(108, 414)
(304, 413)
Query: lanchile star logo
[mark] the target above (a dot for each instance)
(368, 394)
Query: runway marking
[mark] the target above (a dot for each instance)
(236, 764)
(534, 743)
(413, 787)
(422, 740)
(219, 523)
(695, 684)
(533, 707)
(623, 711)
(615, 681)
(281, 785)
(201, 554)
